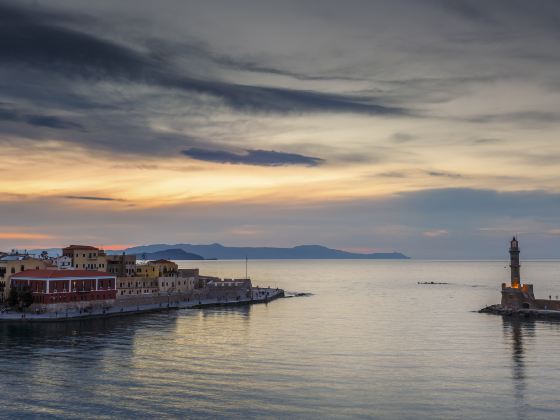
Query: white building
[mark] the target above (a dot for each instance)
(63, 263)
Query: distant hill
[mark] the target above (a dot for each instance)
(221, 252)
(169, 254)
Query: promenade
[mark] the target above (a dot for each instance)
(123, 307)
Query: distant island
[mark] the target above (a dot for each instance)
(218, 251)
(170, 254)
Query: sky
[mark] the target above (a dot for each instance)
(429, 128)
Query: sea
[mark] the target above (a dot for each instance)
(362, 340)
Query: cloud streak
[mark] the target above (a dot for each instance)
(252, 157)
(89, 198)
(38, 120)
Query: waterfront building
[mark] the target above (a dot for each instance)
(165, 267)
(157, 268)
(122, 265)
(55, 290)
(229, 288)
(177, 284)
(137, 286)
(145, 270)
(11, 264)
(85, 257)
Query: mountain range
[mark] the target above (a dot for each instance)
(218, 251)
(170, 254)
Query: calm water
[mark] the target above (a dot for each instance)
(370, 342)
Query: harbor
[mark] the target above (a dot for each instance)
(518, 298)
(87, 283)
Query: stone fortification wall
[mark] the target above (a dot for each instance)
(547, 304)
(72, 306)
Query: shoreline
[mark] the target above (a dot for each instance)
(267, 295)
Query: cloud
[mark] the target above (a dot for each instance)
(402, 137)
(521, 117)
(90, 198)
(47, 121)
(29, 40)
(252, 157)
(444, 174)
(23, 235)
(435, 233)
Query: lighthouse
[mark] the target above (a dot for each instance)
(517, 295)
(514, 263)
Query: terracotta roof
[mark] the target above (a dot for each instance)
(60, 274)
(81, 247)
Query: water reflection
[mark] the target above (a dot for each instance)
(515, 329)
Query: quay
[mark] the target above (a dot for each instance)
(518, 298)
(258, 295)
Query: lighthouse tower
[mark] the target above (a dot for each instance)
(516, 295)
(514, 264)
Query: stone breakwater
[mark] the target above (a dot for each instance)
(524, 312)
(150, 304)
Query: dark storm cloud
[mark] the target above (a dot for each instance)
(252, 157)
(47, 121)
(27, 39)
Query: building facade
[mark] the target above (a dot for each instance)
(85, 257)
(63, 262)
(164, 267)
(137, 286)
(176, 284)
(122, 265)
(145, 270)
(55, 290)
(11, 264)
(229, 289)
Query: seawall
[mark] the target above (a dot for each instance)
(123, 308)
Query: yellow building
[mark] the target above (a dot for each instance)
(136, 286)
(145, 270)
(16, 263)
(85, 257)
(164, 267)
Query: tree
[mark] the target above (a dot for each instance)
(26, 296)
(13, 297)
(20, 296)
